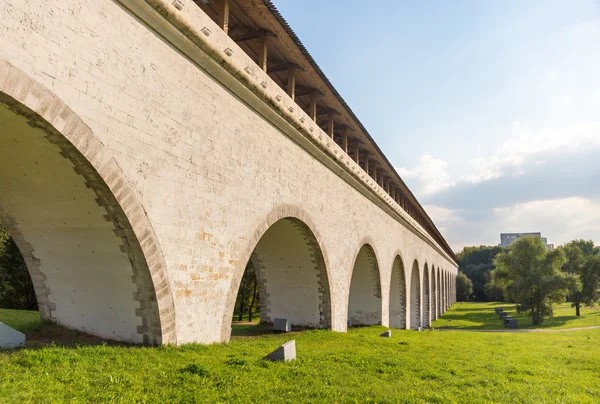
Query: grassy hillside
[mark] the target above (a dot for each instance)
(357, 366)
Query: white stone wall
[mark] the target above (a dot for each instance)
(364, 302)
(211, 172)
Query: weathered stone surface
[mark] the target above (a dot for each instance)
(10, 338)
(176, 177)
(286, 352)
(386, 334)
(281, 324)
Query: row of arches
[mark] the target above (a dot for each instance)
(293, 282)
(97, 266)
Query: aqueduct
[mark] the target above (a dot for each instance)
(150, 148)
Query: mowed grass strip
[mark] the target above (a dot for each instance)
(24, 321)
(357, 366)
(480, 315)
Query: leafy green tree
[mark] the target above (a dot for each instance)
(583, 262)
(477, 263)
(493, 292)
(464, 287)
(16, 288)
(531, 276)
(247, 298)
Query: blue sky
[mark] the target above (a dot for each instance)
(489, 110)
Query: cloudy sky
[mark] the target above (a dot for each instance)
(490, 110)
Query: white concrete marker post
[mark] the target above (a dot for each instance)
(10, 338)
(286, 352)
(281, 324)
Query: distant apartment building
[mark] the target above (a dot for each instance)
(506, 239)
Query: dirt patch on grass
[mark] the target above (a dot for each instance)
(51, 334)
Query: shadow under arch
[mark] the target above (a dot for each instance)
(426, 298)
(439, 292)
(434, 294)
(397, 308)
(415, 297)
(364, 297)
(286, 241)
(91, 251)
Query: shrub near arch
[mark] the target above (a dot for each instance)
(55, 128)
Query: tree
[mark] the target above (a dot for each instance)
(247, 297)
(477, 263)
(464, 287)
(531, 276)
(583, 262)
(16, 288)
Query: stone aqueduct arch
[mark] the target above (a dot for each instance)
(152, 290)
(312, 241)
(398, 294)
(58, 136)
(364, 300)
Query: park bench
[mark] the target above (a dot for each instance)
(510, 322)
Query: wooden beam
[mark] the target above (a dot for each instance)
(329, 111)
(302, 90)
(357, 154)
(330, 123)
(345, 140)
(291, 84)
(279, 66)
(367, 162)
(312, 109)
(253, 34)
(224, 16)
(262, 53)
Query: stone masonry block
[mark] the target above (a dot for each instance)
(286, 352)
(11, 338)
(281, 324)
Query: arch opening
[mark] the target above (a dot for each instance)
(88, 269)
(426, 298)
(397, 309)
(364, 300)
(291, 276)
(415, 297)
(434, 295)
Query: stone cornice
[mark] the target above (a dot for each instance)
(199, 39)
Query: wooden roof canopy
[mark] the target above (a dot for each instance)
(260, 30)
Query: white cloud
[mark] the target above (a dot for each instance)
(524, 150)
(430, 175)
(561, 220)
(527, 148)
(444, 218)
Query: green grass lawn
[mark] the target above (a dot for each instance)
(357, 366)
(245, 317)
(24, 321)
(477, 315)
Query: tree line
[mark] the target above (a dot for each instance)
(16, 288)
(529, 274)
